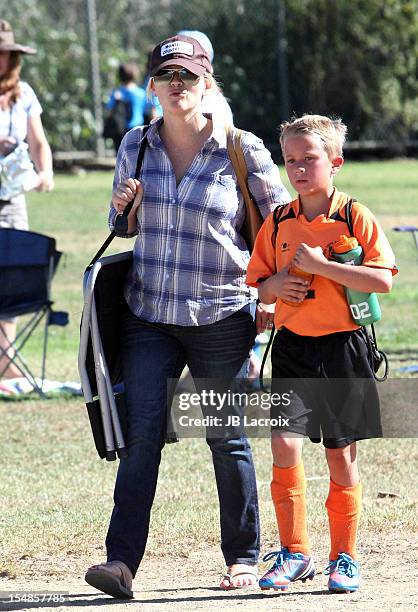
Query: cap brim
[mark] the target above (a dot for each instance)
(20, 48)
(184, 63)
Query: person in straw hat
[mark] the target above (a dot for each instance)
(20, 120)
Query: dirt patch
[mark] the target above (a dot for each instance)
(388, 564)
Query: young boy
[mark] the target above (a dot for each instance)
(317, 339)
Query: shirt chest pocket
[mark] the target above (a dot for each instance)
(222, 197)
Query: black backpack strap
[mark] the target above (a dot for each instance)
(102, 249)
(278, 217)
(263, 362)
(121, 221)
(349, 216)
(377, 357)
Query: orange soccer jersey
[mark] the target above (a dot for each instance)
(326, 310)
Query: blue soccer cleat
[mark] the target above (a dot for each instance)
(287, 568)
(344, 574)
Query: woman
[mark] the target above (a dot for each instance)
(188, 304)
(20, 120)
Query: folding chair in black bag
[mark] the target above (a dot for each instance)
(28, 262)
(99, 358)
(99, 362)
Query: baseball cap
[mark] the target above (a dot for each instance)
(202, 38)
(183, 51)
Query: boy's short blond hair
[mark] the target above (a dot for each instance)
(332, 132)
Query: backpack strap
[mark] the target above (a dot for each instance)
(279, 217)
(233, 145)
(265, 355)
(121, 221)
(235, 154)
(349, 216)
(376, 356)
(253, 219)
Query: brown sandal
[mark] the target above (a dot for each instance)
(102, 578)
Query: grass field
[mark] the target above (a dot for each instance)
(57, 495)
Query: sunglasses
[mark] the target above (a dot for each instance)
(166, 76)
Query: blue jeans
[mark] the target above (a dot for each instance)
(152, 354)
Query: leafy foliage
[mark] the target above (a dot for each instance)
(353, 58)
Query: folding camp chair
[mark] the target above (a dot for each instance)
(99, 357)
(99, 362)
(411, 229)
(28, 262)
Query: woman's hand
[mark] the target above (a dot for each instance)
(7, 145)
(264, 316)
(125, 192)
(46, 180)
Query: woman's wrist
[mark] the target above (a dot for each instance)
(47, 173)
(46, 180)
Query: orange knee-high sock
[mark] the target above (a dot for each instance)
(288, 491)
(344, 506)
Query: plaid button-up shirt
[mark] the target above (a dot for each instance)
(189, 259)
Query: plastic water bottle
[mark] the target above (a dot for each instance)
(364, 307)
(295, 271)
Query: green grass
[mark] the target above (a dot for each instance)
(57, 495)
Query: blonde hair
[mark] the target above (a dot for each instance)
(332, 132)
(208, 76)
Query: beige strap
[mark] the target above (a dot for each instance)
(233, 140)
(253, 218)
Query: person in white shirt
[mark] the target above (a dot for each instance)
(20, 120)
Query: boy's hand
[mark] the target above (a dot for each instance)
(288, 287)
(310, 259)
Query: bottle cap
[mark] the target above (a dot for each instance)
(298, 272)
(344, 244)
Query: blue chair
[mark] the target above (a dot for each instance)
(28, 262)
(409, 228)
